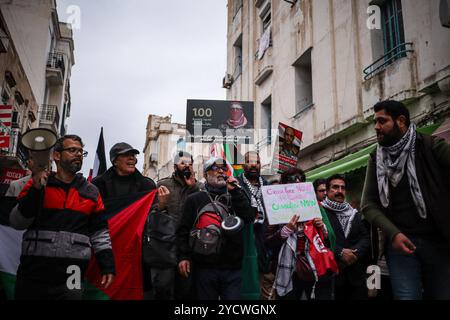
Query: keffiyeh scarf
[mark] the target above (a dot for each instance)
(256, 197)
(286, 266)
(344, 212)
(391, 165)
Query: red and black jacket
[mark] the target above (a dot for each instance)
(69, 224)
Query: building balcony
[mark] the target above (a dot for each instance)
(49, 117)
(264, 65)
(393, 76)
(55, 69)
(379, 65)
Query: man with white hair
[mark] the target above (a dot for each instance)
(217, 274)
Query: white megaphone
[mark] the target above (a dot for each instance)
(39, 143)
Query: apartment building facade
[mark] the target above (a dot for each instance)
(163, 138)
(320, 66)
(36, 57)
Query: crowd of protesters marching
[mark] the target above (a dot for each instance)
(199, 238)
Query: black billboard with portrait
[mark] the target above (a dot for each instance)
(219, 121)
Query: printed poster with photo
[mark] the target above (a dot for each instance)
(220, 121)
(287, 148)
(282, 201)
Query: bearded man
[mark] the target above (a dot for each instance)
(64, 217)
(405, 195)
(216, 275)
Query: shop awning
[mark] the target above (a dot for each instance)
(443, 131)
(355, 160)
(348, 163)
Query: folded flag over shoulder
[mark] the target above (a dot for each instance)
(10, 248)
(126, 219)
(250, 288)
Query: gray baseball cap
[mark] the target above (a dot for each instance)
(121, 148)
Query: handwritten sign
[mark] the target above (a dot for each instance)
(283, 201)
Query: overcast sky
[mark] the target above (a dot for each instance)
(139, 57)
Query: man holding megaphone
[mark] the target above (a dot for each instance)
(63, 215)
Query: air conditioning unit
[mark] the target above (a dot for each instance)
(227, 81)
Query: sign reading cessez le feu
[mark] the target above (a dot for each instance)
(219, 121)
(283, 201)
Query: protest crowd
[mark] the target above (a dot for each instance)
(214, 237)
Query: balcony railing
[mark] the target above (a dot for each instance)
(398, 52)
(56, 61)
(49, 115)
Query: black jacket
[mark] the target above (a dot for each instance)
(159, 244)
(232, 253)
(136, 182)
(358, 238)
(179, 191)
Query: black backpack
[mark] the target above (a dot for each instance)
(206, 237)
(159, 240)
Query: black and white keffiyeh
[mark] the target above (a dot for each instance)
(344, 212)
(256, 197)
(286, 266)
(391, 165)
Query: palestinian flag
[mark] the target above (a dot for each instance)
(126, 218)
(100, 158)
(10, 248)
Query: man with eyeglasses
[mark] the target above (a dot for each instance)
(122, 178)
(162, 224)
(320, 187)
(64, 217)
(352, 241)
(217, 275)
(121, 182)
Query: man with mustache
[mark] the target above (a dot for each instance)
(217, 275)
(287, 147)
(352, 241)
(64, 217)
(405, 195)
(167, 284)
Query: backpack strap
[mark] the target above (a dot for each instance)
(216, 209)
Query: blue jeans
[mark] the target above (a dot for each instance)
(214, 283)
(425, 274)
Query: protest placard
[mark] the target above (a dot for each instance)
(283, 201)
(287, 148)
